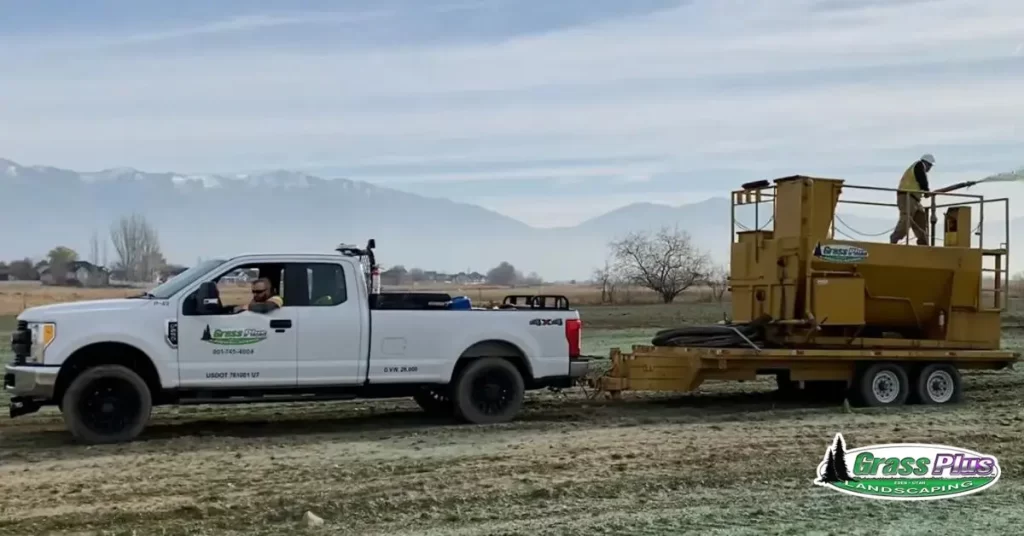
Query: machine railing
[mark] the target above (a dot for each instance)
(995, 277)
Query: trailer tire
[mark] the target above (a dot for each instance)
(106, 404)
(882, 385)
(489, 390)
(938, 383)
(434, 402)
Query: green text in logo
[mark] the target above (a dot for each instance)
(234, 337)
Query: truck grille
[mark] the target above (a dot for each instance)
(21, 343)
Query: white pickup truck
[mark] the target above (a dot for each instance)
(106, 363)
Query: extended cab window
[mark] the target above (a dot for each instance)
(326, 284)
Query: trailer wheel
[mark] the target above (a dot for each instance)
(106, 404)
(434, 401)
(938, 384)
(489, 390)
(883, 384)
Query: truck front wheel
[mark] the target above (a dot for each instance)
(106, 404)
(489, 390)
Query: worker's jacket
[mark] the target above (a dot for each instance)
(914, 178)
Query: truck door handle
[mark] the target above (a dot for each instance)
(280, 325)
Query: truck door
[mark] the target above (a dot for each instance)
(331, 325)
(243, 349)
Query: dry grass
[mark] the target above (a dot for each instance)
(730, 461)
(15, 297)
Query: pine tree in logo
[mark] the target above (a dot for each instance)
(839, 457)
(836, 469)
(829, 475)
(206, 333)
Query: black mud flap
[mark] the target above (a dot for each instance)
(22, 406)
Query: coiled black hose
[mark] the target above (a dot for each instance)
(713, 336)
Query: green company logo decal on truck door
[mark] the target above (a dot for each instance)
(906, 471)
(234, 337)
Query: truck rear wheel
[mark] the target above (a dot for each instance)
(938, 384)
(882, 384)
(106, 404)
(434, 401)
(489, 390)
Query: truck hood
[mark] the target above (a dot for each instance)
(48, 312)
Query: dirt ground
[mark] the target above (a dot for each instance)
(730, 459)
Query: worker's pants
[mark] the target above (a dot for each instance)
(912, 215)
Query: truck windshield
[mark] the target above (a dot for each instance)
(173, 285)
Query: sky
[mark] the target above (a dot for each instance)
(549, 112)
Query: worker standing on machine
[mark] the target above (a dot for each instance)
(913, 184)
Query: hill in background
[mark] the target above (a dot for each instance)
(221, 215)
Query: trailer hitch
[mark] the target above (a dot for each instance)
(23, 406)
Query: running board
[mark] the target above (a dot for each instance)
(265, 399)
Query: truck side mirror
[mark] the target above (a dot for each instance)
(207, 299)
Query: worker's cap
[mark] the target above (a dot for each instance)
(928, 158)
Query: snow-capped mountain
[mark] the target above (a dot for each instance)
(223, 215)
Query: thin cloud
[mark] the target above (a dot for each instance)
(795, 85)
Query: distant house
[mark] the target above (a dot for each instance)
(5, 273)
(474, 278)
(77, 273)
(240, 277)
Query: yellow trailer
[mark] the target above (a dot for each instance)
(888, 322)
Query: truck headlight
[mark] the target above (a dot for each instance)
(43, 334)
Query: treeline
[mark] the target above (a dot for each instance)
(504, 274)
(136, 252)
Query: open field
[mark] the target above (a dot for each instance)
(730, 459)
(17, 296)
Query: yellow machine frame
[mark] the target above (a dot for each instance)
(836, 307)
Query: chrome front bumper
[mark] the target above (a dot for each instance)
(29, 382)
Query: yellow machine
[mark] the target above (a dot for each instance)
(892, 322)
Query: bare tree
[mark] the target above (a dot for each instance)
(94, 249)
(533, 279)
(718, 282)
(137, 247)
(608, 279)
(667, 262)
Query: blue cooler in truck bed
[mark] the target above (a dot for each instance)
(460, 302)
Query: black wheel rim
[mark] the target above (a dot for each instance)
(493, 392)
(109, 405)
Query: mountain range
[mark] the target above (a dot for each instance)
(203, 216)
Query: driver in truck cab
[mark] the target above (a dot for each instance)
(263, 299)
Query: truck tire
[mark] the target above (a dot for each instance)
(490, 390)
(882, 385)
(435, 402)
(106, 404)
(938, 383)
